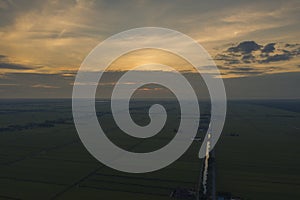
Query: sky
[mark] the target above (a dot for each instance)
(254, 43)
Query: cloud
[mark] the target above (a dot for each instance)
(245, 47)
(5, 63)
(8, 84)
(247, 68)
(229, 59)
(269, 48)
(44, 86)
(247, 73)
(277, 58)
(19, 85)
(13, 66)
(61, 33)
(35, 79)
(34, 85)
(242, 71)
(261, 57)
(248, 58)
(288, 52)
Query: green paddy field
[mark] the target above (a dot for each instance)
(257, 156)
(42, 157)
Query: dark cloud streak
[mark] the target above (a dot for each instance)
(5, 64)
(14, 66)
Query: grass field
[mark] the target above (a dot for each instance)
(42, 157)
(258, 153)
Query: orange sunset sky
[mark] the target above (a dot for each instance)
(254, 43)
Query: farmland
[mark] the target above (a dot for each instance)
(42, 156)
